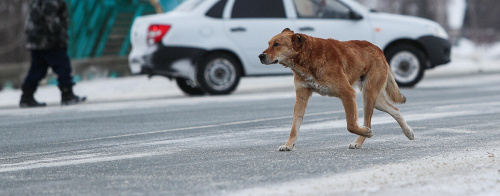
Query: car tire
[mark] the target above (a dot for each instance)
(188, 89)
(407, 63)
(219, 74)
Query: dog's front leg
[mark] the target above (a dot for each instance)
(302, 97)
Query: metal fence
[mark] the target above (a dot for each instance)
(101, 27)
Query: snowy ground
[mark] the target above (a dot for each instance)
(472, 172)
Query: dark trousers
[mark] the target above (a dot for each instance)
(41, 60)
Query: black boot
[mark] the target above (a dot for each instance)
(27, 99)
(67, 96)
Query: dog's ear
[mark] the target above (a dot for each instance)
(286, 30)
(298, 38)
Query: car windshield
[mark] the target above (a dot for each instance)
(188, 5)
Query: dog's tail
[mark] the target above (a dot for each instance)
(392, 90)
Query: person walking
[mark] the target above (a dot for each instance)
(47, 39)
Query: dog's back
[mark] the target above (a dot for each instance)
(356, 57)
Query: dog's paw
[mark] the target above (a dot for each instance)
(354, 145)
(286, 148)
(368, 133)
(409, 133)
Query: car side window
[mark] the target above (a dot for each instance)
(258, 9)
(321, 9)
(217, 10)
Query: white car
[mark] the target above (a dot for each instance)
(208, 45)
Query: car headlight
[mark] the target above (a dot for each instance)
(439, 31)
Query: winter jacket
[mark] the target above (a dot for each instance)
(47, 25)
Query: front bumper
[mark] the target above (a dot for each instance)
(172, 62)
(437, 49)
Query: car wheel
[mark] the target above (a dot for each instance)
(219, 74)
(407, 63)
(187, 88)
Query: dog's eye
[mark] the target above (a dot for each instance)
(276, 44)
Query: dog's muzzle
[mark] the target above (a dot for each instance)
(264, 60)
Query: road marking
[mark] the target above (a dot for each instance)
(71, 160)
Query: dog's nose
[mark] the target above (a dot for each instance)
(262, 56)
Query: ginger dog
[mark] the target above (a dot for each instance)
(331, 68)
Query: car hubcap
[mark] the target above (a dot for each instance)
(220, 74)
(405, 66)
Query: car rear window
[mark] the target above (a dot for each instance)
(258, 9)
(217, 10)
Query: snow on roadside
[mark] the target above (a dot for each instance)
(494, 51)
(470, 172)
(137, 88)
(468, 58)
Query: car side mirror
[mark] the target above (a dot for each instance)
(355, 16)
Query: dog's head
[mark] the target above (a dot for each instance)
(282, 48)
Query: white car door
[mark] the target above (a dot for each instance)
(251, 24)
(331, 19)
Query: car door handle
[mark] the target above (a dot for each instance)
(306, 29)
(238, 29)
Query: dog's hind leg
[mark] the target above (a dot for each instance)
(370, 90)
(348, 98)
(383, 105)
(302, 97)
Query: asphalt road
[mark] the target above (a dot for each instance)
(224, 144)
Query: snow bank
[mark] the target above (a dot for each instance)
(469, 58)
(470, 172)
(494, 51)
(466, 48)
(137, 88)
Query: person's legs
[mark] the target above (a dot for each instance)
(60, 63)
(37, 72)
(38, 69)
